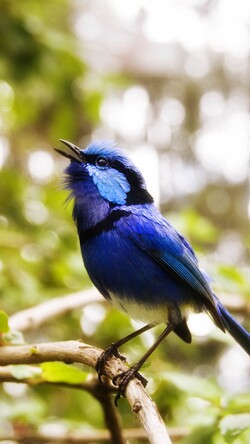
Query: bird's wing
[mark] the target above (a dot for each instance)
(173, 253)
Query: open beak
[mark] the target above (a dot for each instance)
(76, 155)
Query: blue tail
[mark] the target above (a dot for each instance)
(235, 329)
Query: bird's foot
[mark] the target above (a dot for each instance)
(112, 350)
(123, 379)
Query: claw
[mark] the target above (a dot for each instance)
(103, 359)
(124, 379)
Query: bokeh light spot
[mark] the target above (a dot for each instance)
(212, 104)
(6, 96)
(92, 315)
(223, 147)
(87, 27)
(172, 112)
(197, 65)
(41, 165)
(200, 324)
(4, 150)
(36, 212)
(31, 253)
(237, 380)
(129, 114)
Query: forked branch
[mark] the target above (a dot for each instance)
(75, 351)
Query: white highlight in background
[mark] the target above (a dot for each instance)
(224, 147)
(129, 114)
(234, 370)
(4, 150)
(91, 317)
(146, 159)
(41, 165)
(200, 324)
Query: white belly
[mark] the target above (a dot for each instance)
(150, 314)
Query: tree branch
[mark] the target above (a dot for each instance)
(76, 351)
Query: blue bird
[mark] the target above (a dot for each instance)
(135, 258)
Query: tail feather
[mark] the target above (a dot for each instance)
(234, 328)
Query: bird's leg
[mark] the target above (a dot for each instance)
(124, 378)
(112, 350)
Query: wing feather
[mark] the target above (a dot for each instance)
(173, 253)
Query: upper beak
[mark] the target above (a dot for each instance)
(76, 155)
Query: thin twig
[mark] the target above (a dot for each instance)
(112, 419)
(76, 351)
(34, 317)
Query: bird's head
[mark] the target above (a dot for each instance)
(103, 171)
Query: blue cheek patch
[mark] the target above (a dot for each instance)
(112, 184)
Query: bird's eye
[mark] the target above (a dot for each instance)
(102, 162)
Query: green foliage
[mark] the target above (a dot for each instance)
(40, 63)
(232, 426)
(7, 336)
(195, 386)
(25, 372)
(54, 372)
(196, 227)
(4, 324)
(25, 413)
(13, 337)
(60, 372)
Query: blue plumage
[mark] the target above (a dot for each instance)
(134, 257)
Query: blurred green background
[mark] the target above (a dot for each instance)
(169, 82)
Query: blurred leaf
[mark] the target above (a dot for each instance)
(4, 324)
(14, 337)
(60, 372)
(232, 273)
(194, 226)
(239, 403)
(30, 412)
(233, 425)
(203, 435)
(194, 385)
(25, 371)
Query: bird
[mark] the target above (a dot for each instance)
(136, 259)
